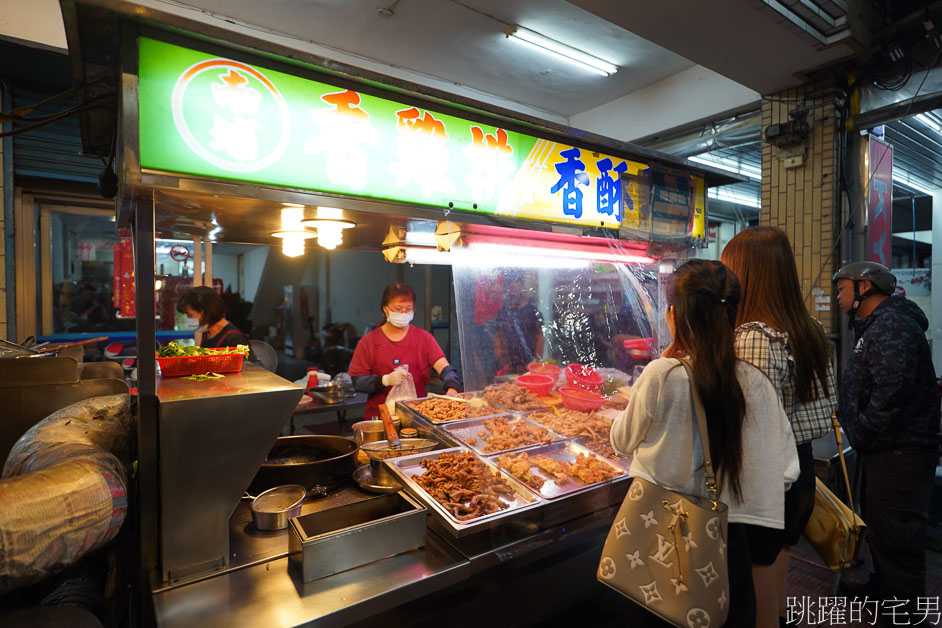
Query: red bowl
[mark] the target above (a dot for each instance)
(582, 376)
(580, 399)
(544, 368)
(539, 385)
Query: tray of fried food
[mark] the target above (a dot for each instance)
(559, 469)
(499, 433)
(592, 431)
(512, 397)
(438, 410)
(467, 492)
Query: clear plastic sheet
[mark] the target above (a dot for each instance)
(527, 296)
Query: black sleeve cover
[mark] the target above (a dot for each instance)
(369, 384)
(450, 378)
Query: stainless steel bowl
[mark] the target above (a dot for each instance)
(272, 509)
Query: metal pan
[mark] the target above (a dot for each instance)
(310, 460)
(406, 468)
(563, 452)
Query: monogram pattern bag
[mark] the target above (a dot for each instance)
(667, 551)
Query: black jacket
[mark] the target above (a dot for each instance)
(889, 397)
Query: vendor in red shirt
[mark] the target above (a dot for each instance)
(393, 344)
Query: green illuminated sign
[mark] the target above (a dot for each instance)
(208, 116)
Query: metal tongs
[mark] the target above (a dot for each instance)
(391, 436)
(474, 402)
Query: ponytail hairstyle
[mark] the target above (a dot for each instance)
(762, 259)
(705, 295)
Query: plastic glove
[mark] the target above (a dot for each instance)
(394, 378)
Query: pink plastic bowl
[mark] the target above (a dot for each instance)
(539, 385)
(580, 399)
(544, 368)
(582, 376)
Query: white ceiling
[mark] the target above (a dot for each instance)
(463, 42)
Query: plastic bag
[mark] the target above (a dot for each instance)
(403, 390)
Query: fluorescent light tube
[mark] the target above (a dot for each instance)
(568, 53)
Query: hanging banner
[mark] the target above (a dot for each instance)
(880, 203)
(123, 298)
(214, 117)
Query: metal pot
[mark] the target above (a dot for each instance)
(272, 509)
(315, 460)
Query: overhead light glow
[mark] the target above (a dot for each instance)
(929, 122)
(421, 238)
(738, 199)
(560, 50)
(904, 180)
(727, 165)
(292, 234)
(330, 225)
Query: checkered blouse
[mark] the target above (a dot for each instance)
(768, 350)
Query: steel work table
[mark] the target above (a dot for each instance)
(260, 587)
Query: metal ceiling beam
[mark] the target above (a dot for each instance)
(892, 113)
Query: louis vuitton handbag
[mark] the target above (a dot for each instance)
(834, 530)
(667, 551)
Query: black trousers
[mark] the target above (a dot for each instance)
(897, 488)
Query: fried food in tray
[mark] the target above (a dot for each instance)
(571, 423)
(503, 433)
(519, 467)
(512, 397)
(464, 485)
(586, 469)
(591, 469)
(445, 410)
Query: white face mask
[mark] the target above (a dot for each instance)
(399, 319)
(194, 324)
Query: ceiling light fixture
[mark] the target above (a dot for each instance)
(738, 199)
(929, 122)
(330, 225)
(908, 182)
(584, 60)
(727, 165)
(292, 233)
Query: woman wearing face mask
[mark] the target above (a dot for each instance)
(205, 312)
(395, 343)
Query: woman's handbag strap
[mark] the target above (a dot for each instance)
(696, 406)
(840, 451)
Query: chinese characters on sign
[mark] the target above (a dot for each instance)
(344, 131)
(240, 122)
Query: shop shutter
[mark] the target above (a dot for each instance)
(52, 151)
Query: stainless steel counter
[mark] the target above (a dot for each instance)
(261, 588)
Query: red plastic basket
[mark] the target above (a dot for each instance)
(199, 364)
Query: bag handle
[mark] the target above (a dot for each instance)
(696, 407)
(840, 452)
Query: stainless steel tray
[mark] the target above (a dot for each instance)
(330, 541)
(563, 452)
(407, 467)
(468, 431)
(406, 406)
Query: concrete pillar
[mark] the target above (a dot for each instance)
(804, 200)
(935, 325)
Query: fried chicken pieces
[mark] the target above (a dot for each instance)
(573, 423)
(503, 433)
(587, 469)
(512, 396)
(464, 485)
(444, 410)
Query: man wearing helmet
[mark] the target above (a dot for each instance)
(889, 406)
